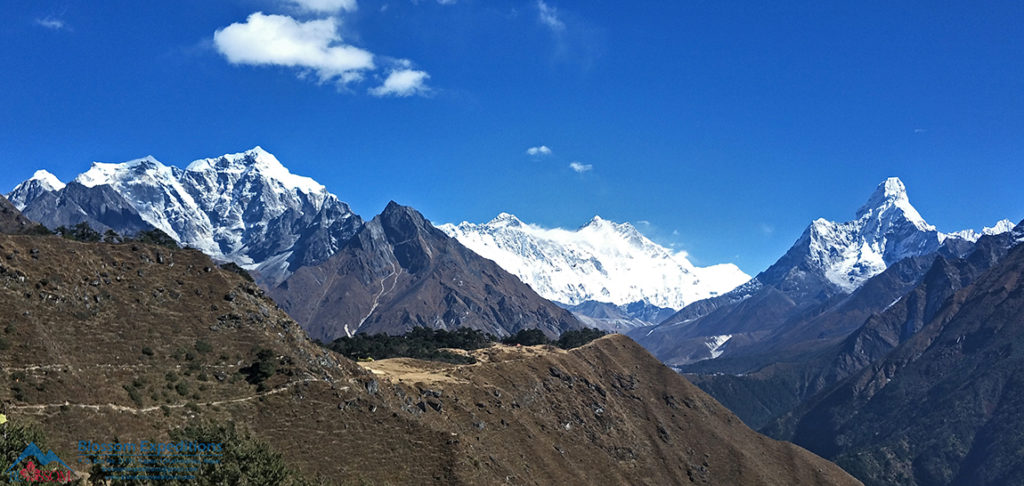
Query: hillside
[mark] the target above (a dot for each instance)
(943, 407)
(130, 340)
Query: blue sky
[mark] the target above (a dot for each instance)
(725, 126)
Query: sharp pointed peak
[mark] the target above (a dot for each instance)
(890, 190)
(599, 222)
(394, 209)
(892, 194)
(505, 219)
(394, 206)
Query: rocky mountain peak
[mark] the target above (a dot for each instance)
(890, 203)
(47, 179)
(246, 208)
(505, 219)
(40, 183)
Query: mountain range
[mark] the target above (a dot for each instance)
(601, 261)
(400, 272)
(107, 340)
(822, 270)
(245, 208)
(880, 342)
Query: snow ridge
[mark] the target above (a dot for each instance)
(245, 207)
(602, 261)
(887, 229)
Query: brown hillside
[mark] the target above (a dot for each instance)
(87, 323)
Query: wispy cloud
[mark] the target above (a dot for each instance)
(403, 82)
(51, 23)
(325, 6)
(766, 229)
(920, 130)
(538, 151)
(580, 168)
(548, 16)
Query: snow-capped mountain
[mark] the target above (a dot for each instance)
(601, 261)
(999, 228)
(887, 229)
(40, 183)
(245, 207)
(829, 262)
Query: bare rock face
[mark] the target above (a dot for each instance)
(101, 207)
(399, 272)
(11, 220)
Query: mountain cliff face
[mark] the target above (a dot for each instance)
(884, 312)
(101, 206)
(11, 220)
(130, 340)
(943, 407)
(828, 263)
(601, 261)
(246, 208)
(399, 272)
(40, 183)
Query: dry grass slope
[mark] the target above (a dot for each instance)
(130, 340)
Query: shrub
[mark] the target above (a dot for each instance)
(203, 347)
(110, 236)
(156, 237)
(37, 230)
(134, 394)
(233, 267)
(527, 337)
(79, 232)
(16, 435)
(263, 368)
(148, 351)
(419, 343)
(576, 338)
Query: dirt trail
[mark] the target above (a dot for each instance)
(41, 408)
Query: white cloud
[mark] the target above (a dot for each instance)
(580, 168)
(325, 6)
(51, 23)
(548, 16)
(280, 40)
(402, 82)
(446, 2)
(542, 150)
